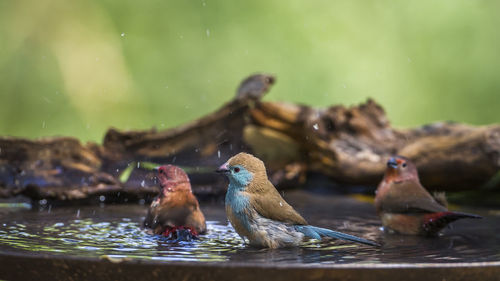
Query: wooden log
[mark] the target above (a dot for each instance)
(351, 145)
(348, 145)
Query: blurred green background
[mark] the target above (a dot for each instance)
(77, 67)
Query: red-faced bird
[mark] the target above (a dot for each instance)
(260, 215)
(405, 206)
(175, 208)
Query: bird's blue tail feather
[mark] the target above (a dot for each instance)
(318, 232)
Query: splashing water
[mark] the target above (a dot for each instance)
(115, 231)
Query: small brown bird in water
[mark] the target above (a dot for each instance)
(176, 208)
(404, 205)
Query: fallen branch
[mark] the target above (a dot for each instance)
(349, 145)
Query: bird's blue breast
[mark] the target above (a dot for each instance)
(239, 204)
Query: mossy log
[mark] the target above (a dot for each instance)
(348, 145)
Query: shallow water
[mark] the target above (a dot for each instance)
(113, 231)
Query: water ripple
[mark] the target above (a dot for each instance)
(115, 232)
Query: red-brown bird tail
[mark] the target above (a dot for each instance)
(434, 222)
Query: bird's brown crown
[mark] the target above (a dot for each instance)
(249, 162)
(171, 176)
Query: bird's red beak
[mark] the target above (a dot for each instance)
(223, 168)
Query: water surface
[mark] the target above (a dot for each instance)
(114, 232)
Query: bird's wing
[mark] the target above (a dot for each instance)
(410, 197)
(196, 218)
(149, 220)
(176, 209)
(269, 204)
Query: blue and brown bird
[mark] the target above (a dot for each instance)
(406, 207)
(175, 212)
(259, 214)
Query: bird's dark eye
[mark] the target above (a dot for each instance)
(236, 169)
(404, 165)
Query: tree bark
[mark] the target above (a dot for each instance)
(348, 145)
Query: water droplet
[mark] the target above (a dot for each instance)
(218, 153)
(143, 183)
(166, 86)
(78, 213)
(281, 204)
(208, 32)
(316, 126)
(409, 60)
(344, 86)
(50, 209)
(196, 150)
(43, 124)
(123, 34)
(117, 170)
(102, 198)
(173, 160)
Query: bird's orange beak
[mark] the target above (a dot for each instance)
(223, 168)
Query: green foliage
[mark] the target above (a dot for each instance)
(79, 67)
(125, 175)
